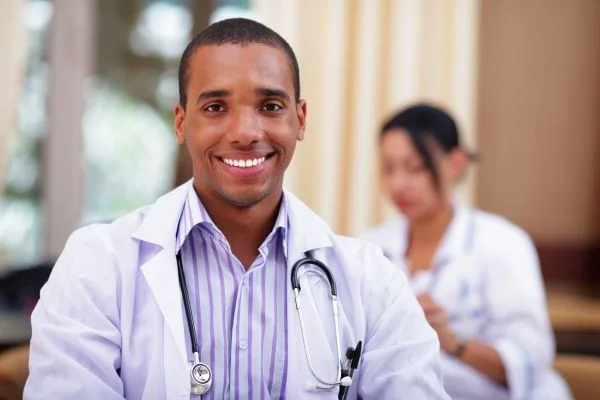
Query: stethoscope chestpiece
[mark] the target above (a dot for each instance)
(200, 378)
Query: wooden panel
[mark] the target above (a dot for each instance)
(575, 265)
(539, 127)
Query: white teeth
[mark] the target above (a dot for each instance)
(244, 163)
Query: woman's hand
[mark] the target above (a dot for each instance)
(475, 353)
(438, 319)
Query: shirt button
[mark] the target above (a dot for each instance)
(243, 344)
(244, 281)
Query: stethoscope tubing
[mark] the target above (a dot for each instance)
(295, 282)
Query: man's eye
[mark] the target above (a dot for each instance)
(215, 108)
(272, 107)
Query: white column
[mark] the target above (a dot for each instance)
(11, 73)
(464, 81)
(365, 116)
(71, 55)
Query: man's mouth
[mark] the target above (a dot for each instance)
(245, 162)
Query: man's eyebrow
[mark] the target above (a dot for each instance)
(211, 94)
(269, 92)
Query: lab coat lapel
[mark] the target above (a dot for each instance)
(457, 237)
(160, 273)
(157, 260)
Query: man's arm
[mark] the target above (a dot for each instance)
(75, 344)
(401, 358)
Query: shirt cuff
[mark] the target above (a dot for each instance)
(518, 367)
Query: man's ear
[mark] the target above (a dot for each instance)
(178, 122)
(301, 111)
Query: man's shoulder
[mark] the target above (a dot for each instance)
(494, 229)
(351, 250)
(359, 256)
(124, 227)
(356, 245)
(131, 221)
(108, 235)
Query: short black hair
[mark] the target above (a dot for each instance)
(239, 31)
(424, 122)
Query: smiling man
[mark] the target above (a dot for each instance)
(229, 286)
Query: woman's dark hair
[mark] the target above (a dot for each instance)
(423, 123)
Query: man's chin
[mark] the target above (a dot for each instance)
(245, 199)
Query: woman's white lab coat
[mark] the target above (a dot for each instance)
(113, 303)
(486, 275)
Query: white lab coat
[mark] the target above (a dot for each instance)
(486, 275)
(113, 302)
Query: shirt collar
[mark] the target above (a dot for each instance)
(159, 223)
(194, 214)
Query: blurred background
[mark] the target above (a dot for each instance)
(88, 86)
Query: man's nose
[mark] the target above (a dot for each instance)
(245, 127)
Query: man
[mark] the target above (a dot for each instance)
(113, 323)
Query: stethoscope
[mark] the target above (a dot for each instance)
(201, 374)
(345, 369)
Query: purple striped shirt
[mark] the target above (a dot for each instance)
(240, 316)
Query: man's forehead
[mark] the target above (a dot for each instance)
(231, 52)
(229, 62)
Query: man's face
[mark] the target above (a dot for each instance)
(241, 121)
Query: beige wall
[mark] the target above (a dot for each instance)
(539, 116)
(360, 60)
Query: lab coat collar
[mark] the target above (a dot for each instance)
(459, 236)
(159, 227)
(457, 240)
(306, 230)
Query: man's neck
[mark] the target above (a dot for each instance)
(245, 228)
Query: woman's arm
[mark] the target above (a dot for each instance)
(477, 354)
(482, 357)
(517, 344)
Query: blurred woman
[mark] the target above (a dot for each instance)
(476, 275)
